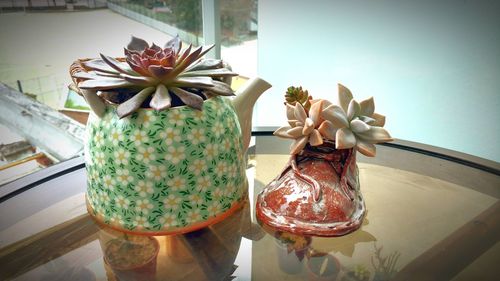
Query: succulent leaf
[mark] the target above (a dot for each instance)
(366, 148)
(367, 120)
(193, 82)
(379, 120)
(219, 72)
(205, 65)
(116, 65)
(375, 135)
(85, 75)
(315, 139)
(336, 115)
(104, 84)
(328, 130)
(219, 88)
(95, 102)
(298, 145)
(99, 64)
(161, 98)
(137, 44)
(315, 111)
(159, 71)
(344, 138)
(132, 104)
(308, 126)
(138, 80)
(359, 126)
(175, 44)
(295, 132)
(353, 109)
(188, 98)
(367, 107)
(345, 97)
(283, 132)
(300, 113)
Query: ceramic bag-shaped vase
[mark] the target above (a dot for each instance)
(318, 191)
(316, 194)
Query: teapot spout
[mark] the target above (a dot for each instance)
(243, 103)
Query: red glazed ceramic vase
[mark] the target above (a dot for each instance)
(317, 194)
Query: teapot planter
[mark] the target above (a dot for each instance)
(169, 171)
(173, 168)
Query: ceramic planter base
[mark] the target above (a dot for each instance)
(180, 230)
(316, 194)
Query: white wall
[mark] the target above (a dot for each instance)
(432, 66)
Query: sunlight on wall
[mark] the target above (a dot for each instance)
(433, 68)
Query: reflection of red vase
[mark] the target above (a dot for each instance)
(322, 267)
(133, 259)
(316, 194)
(291, 255)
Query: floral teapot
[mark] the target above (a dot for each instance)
(165, 147)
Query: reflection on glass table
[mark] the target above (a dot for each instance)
(432, 215)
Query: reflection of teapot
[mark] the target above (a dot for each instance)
(205, 254)
(167, 171)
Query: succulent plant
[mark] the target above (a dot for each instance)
(350, 125)
(296, 94)
(154, 71)
(355, 124)
(303, 128)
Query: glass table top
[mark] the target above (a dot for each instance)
(431, 216)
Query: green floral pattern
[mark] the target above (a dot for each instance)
(164, 170)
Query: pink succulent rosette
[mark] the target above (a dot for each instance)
(318, 193)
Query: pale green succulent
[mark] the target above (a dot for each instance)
(355, 125)
(350, 125)
(154, 71)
